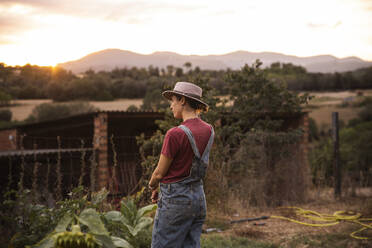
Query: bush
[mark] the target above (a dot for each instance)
(52, 111)
(366, 113)
(4, 99)
(5, 115)
(313, 130)
(133, 108)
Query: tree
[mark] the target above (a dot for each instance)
(188, 66)
(5, 115)
(170, 70)
(4, 98)
(179, 72)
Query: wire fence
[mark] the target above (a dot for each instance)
(52, 166)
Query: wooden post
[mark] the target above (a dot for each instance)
(336, 155)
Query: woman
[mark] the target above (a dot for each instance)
(181, 168)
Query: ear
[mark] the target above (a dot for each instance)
(183, 101)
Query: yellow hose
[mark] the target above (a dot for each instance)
(330, 220)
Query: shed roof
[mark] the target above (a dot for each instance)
(82, 119)
(40, 151)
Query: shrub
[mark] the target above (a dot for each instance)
(4, 99)
(5, 115)
(366, 113)
(313, 130)
(52, 111)
(78, 219)
(132, 108)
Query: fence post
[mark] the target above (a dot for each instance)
(100, 135)
(336, 155)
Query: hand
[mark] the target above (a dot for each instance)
(154, 196)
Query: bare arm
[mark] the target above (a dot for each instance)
(160, 171)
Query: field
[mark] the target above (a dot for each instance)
(21, 109)
(324, 103)
(320, 107)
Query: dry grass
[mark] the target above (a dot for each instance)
(324, 103)
(284, 233)
(340, 94)
(323, 115)
(21, 109)
(119, 104)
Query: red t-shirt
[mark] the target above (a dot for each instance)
(176, 145)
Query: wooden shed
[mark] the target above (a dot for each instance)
(85, 147)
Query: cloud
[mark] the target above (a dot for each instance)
(110, 10)
(12, 24)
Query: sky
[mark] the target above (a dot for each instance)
(48, 32)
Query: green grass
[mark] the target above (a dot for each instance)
(218, 241)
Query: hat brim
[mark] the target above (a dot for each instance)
(169, 93)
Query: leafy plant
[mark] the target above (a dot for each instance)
(130, 221)
(22, 221)
(28, 222)
(68, 233)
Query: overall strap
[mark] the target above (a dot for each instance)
(191, 140)
(205, 156)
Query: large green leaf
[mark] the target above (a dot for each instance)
(104, 241)
(63, 223)
(47, 242)
(128, 211)
(130, 229)
(115, 216)
(142, 224)
(145, 210)
(119, 242)
(92, 219)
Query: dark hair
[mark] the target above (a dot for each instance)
(192, 103)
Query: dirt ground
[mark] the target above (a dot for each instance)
(283, 233)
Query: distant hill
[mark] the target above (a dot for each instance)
(111, 58)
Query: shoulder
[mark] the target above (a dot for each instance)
(175, 132)
(198, 124)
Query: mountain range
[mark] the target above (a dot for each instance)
(109, 59)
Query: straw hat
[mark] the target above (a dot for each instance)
(188, 90)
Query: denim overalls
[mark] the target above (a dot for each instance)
(182, 207)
